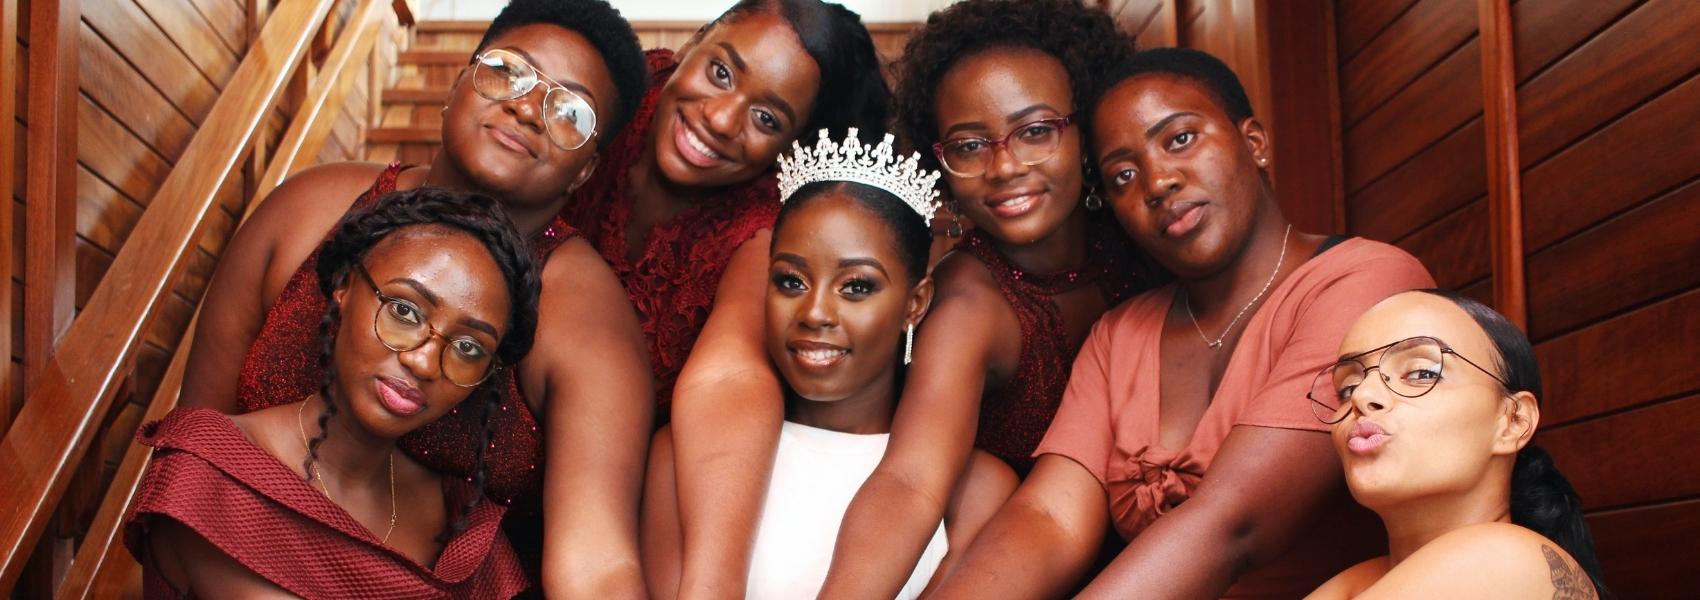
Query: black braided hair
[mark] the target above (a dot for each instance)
(1084, 39)
(852, 91)
(474, 214)
(1541, 498)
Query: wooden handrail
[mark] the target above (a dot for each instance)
(91, 574)
(59, 416)
(307, 131)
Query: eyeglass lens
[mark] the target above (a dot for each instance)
(402, 327)
(501, 75)
(1030, 144)
(1409, 368)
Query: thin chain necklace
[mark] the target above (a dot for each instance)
(1217, 343)
(326, 491)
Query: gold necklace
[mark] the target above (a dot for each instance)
(1217, 343)
(325, 490)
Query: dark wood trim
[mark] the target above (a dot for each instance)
(1505, 193)
(57, 424)
(1304, 102)
(8, 131)
(50, 275)
(318, 113)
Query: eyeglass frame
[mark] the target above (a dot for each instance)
(1386, 381)
(538, 77)
(385, 299)
(1063, 123)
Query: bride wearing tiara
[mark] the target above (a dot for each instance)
(848, 285)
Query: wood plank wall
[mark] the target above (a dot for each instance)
(1606, 91)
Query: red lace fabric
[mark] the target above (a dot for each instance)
(207, 475)
(672, 284)
(1013, 420)
(282, 366)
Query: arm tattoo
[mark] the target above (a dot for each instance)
(1567, 582)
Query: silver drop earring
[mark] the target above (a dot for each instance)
(909, 344)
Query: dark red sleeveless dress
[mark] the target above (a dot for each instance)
(261, 513)
(282, 366)
(672, 284)
(1013, 420)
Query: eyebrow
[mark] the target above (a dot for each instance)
(1013, 118)
(569, 83)
(743, 67)
(845, 263)
(791, 258)
(434, 300)
(1157, 128)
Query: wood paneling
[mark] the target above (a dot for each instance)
(1455, 248)
(1649, 552)
(1414, 195)
(129, 30)
(1423, 36)
(1435, 104)
(180, 21)
(1604, 469)
(50, 201)
(1631, 350)
(1363, 20)
(1304, 122)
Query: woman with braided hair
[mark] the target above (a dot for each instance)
(431, 293)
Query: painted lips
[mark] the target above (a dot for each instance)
(399, 397)
(1367, 437)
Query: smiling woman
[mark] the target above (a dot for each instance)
(544, 93)
(430, 293)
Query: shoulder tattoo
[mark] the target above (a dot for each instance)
(1567, 582)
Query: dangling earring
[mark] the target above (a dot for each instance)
(445, 109)
(909, 344)
(1093, 202)
(955, 229)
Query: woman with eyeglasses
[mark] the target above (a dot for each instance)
(990, 91)
(431, 294)
(1433, 404)
(682, 209)
(545, 92)
(1183, 423)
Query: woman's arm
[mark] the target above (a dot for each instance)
(985, 485)
(256, 265)
(590, 370)
(897, 509)
(1040, 542)
(1264, 488)
(661, 541)
(727, 410)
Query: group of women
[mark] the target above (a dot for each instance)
(710, 359)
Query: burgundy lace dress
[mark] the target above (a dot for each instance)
(1013, 420)
(672, 284)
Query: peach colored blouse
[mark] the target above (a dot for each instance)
(1108, 420)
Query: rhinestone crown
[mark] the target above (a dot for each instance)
(877, 166)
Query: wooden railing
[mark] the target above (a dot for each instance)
(102, 567)
(57, 422)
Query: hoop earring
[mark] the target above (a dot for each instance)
(909, 344)
(955, 228)
(1093, 201)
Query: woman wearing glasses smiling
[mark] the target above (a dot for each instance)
(1433, 405)
(431, 293)
(548, 86)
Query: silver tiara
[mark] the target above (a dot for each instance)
(851, 161)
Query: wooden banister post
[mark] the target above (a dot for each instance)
(1504, 166)
(56, 426)
(8, 133)
(51, 198)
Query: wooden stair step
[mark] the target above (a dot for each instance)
(453, 26)
(433, 57)
(405, 135)
(416, 95)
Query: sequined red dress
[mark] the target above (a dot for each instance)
(282, 366)
(1013, 419)
(207, 476)
(672, 284)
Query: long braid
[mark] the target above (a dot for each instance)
(327, 333)
(480, 473)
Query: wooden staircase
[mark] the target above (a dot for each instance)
(410, 128)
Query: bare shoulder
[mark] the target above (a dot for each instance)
(1497, 560)
(960, 274)
(1350, 582)
(578, 270)
(297, 215)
